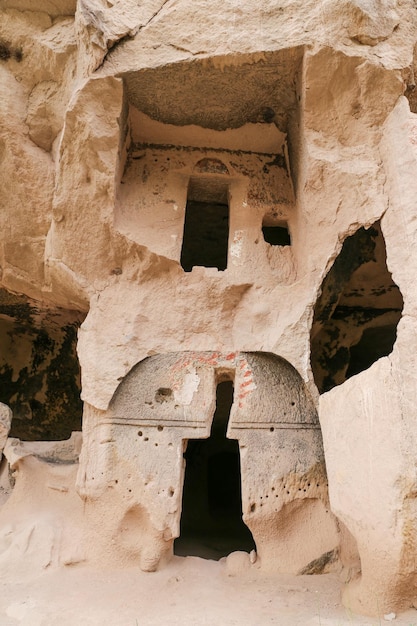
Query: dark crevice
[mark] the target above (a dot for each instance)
(112, 47)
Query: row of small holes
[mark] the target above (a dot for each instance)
(253, 505)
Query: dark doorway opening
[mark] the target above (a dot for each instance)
(206, 225)
(211, 521)
(206, 235)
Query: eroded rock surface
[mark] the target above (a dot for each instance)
(207, 195)
(5, 422)
(169, 400)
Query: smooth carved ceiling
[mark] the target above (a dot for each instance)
(219, 94)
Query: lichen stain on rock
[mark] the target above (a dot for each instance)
(45, 395)
(39, 369)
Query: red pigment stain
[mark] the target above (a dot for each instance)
(210, 359)
(179, 365)
(247, 373)
(246, 383)
(231, 356)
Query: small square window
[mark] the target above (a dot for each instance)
(275, 232)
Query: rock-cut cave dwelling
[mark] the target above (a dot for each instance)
(208, 312)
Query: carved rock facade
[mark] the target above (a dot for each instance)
(208, 231)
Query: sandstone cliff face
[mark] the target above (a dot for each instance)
(206, 192)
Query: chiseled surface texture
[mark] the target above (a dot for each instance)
(133, 453)
(114, 117)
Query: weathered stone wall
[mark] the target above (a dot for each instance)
(133, 455)
(292, 115)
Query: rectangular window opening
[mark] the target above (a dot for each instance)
(276, 233)
(206, 226)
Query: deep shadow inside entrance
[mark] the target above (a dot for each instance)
(206, 233)
(211, 521)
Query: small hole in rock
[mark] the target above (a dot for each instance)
(275, 233)
(164, 394)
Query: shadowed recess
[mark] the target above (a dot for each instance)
(211, 521)
(206, 225)
(276, 235)
(39, 368)
(206, 234)
(356, 316)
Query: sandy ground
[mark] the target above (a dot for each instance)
(190, 591)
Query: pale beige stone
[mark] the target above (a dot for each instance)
(114, 118)
(283, 499)
(42, 521)
(5, 421)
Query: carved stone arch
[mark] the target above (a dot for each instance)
(210, 166)
(168, 399)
